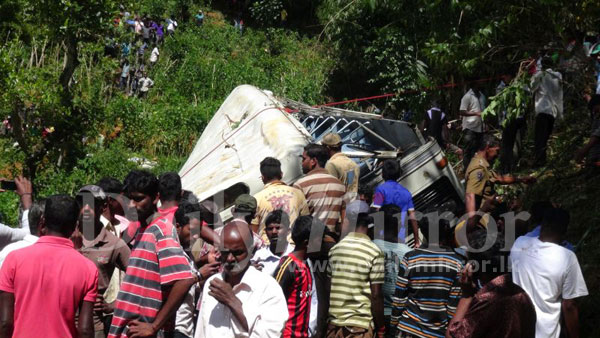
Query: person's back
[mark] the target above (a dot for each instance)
(427, 291)
(548, 273)
(50, 281)
(548, 92)
(434, 122)
(356, 263)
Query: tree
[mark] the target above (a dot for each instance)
(45, 116)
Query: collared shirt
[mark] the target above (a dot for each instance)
(296, 282)
(268, 259)
(547, 87)
(49, 280)
(356, 263)
(501, 309)
(325, 196)
(392, 192)
(157, 259)
(25, 242)
(263, 304)
(344, 169)
(480, 179)
(548, 273)
(276, 195)
(472, 104)
(107, 252)
(427, 292)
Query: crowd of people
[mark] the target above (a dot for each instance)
(141, 257)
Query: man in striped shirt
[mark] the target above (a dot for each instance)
(427, 289)
(357, 271)
(324, 193)
(158, 275)
(296, 281)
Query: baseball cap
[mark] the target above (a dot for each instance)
(245, 203)
(331, 139)
(95, 190)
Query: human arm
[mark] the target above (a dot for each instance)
(468, 291)
(7, 312)
(223, 292)
(377, 308)
(284, 275)
(25, 191)
(400, 296)
(178, 291)
(509, 179)
(85, 324)
(571, 314)
(581, 153)
(209, 235)
(415, 227)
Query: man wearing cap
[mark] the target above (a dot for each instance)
(101, 246)
(341, 166)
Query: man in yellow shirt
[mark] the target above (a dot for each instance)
(276, 195)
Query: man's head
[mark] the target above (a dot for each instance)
(188, 222)
(36, 212)
(270, 169)
(353, 209)
(555, 224)
(277, 225)
(237, 244)
(391, 170)
(141, 187)
(169, 187)
(490, 263)
(60, 216)
(113, 189)
(546, 62)
(490, 147)
(92, 201)
(316, 249)
(244, 207)
(301, 232)
(314, 156)
(538, 210)
(333, 142)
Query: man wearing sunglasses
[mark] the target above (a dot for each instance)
(241, 301)
(101, 246)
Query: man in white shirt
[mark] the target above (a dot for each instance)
(241, 301)
(10, 235)
(551, 276)
(547, 88)
(145, 83)
(277, 227)
(471, 106)
(154, 56)
(34, 214)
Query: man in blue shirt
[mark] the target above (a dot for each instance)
(392, 192)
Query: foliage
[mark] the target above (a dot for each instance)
(267, 12)
(514, 100)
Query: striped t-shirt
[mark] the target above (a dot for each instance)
(324, 195)
(427, 292)
(356, 263)
(296, 282)
(157, 259)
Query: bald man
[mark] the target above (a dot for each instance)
(240, 301)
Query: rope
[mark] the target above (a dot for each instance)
(403, 92)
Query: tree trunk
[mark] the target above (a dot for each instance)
(71, 64)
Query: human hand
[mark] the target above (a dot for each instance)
(139, 329)
(257, 266)
(528, 179)
(222, 292)
(417, 242)
(24, 186)
(467, 285)
(77, 238)
(214, 255)
(209, 269)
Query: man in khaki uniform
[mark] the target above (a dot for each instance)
(481, 179)
(341, 166)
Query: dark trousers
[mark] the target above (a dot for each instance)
(543, 129)
(472, 141)
(509, 136)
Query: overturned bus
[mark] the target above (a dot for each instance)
(252, 124)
